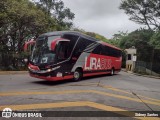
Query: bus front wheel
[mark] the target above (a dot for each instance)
(77, 75)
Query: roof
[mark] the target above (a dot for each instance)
(69, 32)
(78, 34)
(104, 43)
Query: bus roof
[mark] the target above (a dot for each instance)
(69, 32)
(104, 43)
(61, 33)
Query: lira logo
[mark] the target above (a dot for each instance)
(93, 63)
(7, 112)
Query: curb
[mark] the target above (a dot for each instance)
(150, 76)
(12, 72)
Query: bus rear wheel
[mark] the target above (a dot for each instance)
(77, 75)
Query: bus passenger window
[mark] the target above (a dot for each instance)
(82, 46)
(62, 50)
(97, 50)
(73, 39)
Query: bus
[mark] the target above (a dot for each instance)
(65, 55)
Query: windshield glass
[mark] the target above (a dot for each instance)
(42, 52)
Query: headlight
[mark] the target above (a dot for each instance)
(52, 69)
(49, 70)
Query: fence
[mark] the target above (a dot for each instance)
(152, 67)
(147, 68)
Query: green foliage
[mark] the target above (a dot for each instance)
(137, 38)
(21, 20)
(94, 35)
(119, 37)
(155, 40)
(143, 12)
(57, 10)
(98, 36)
(140, 39)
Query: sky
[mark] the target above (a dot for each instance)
(100, 16)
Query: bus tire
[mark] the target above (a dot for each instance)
(77, 75)
(112, 72)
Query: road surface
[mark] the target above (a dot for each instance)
(121, 92)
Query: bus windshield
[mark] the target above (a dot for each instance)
(42, 52)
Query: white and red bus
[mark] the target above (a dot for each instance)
(71, 55)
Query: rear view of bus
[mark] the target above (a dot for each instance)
(72, 55)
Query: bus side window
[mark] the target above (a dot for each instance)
(105, 50)
(108, 51)
(65, 48)
(97, 50)
(81, 46)
(73, 39)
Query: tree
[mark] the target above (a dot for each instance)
(98, 37)
(118, 37)
(57, 10)
(19, 20)
(145, 12)
(155, 40)
(140, 39)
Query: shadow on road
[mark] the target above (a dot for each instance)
(54, 83)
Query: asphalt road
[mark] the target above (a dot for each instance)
(121, 92)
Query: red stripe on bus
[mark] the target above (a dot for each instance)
(92, 74)
(33, 67)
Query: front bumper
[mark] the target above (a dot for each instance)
(51, 78)
(50, 74)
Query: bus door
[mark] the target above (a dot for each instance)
(62, 56)
(64, 52)
(71, 61)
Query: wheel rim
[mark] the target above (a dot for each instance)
(76, 75)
